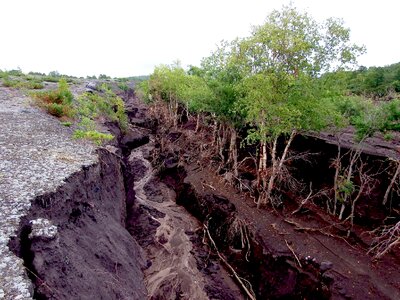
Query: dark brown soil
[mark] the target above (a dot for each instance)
(92, 256)
(332, 265)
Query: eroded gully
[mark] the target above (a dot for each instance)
(165, 231)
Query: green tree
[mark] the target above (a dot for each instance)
(222, 74)
(165, 86)
(282, 92)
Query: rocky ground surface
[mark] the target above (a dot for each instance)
(37, 154)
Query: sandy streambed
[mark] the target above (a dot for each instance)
(172, 272)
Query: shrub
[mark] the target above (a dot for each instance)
(9, 83)
(123, 86)
(67, 123)
(16, 72)
(55, 109)
(57, 102)
(106, 104)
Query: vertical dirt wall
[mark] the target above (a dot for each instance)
(74, 242)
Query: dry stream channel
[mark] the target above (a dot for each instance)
(172, 271)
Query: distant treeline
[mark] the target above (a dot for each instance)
(374, 81)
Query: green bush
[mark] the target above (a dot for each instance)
(57, 102)
(391, 111)
(16, 72)
(55, 109)
(106, 104)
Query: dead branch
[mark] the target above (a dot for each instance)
(243, 282)
(42, 282)
(247, 158)
(294, 254)
(210, 186)
(389, 238)
(300, 228)
(394, 178)
(286, 178)
(305, 156)
(365, 181)
(304, 201)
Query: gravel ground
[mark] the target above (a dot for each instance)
(37, 154)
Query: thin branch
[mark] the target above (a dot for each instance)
(304, 201)
(294, 254)
(396, 174)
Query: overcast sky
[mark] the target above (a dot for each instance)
(127, 37)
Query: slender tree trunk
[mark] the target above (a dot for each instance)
(222, 142)
(263, 156)
(277, 166)
(171, 109)
(353, 159)
(353, 205)
(286, 150)
(233, 153)
(175, 113)
(396, 174)
(335, 183)
(341, 211)
(271, 180)
(198, 122)
(215, 131)
(262, 166)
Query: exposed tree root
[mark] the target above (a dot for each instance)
(298, 227)
(294, 254)
(243, 282)
(388, 239)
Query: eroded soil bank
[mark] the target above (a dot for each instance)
(152, 221)
(90, 255)
(305, 255)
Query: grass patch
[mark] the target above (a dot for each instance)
(91, 106)
(67, 123)
(95, 136)
(31, 85)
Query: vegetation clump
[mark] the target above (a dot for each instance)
(57, 102)
(269, 85)
(103, 104)
(16, 79)
(85, 109)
